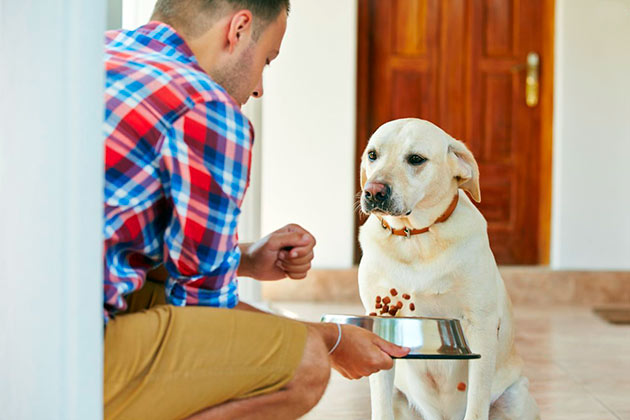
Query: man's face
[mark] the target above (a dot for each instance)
(242, 76)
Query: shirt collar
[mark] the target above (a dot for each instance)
(160, 34)
(156, 35)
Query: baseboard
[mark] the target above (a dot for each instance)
(525, 284)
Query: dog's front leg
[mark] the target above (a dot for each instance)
(382, 394)
(481, 371)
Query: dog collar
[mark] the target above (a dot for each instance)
(408, 232)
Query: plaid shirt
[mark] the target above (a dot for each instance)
(177, 159)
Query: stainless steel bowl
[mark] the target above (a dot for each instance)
(428, 338)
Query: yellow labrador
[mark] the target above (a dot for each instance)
(425, 239)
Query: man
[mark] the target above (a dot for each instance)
(178, 151)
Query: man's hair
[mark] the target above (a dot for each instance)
(194, 17)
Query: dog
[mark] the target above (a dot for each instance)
(425, 239)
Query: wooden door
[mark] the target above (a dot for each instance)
(461, 65)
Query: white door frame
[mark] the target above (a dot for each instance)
(51, 209)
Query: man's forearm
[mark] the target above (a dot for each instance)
(244, 268)
(326, 330)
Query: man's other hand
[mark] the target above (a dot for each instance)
(286, 252)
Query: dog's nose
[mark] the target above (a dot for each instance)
(376, 192)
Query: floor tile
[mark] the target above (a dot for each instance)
(578, 365)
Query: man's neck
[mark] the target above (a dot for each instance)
(208, 47)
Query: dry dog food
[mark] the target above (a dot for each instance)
(388, 307)
(461, 386)
(372, 313)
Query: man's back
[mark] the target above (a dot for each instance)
(154, 86)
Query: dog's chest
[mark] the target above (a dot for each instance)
(407, 292)
(438, 386)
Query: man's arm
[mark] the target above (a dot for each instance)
(359, 353)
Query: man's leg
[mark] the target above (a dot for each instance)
(168, 363)
(297, 398)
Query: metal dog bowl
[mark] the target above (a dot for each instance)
(428, 338)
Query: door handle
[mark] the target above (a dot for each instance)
(532, 79)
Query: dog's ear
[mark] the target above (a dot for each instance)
(465, 168)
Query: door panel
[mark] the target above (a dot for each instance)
(460, 64)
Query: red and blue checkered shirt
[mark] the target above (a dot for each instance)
(177, 159)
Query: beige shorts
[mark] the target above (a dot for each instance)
(170, 362)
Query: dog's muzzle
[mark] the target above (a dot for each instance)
(376, 196)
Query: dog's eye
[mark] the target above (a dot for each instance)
(416, 160)
(372, 155)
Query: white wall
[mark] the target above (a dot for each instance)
(136, 12)
(308, 131)
(51, 186)
(114, 14)
(591, 201)
(249, 222)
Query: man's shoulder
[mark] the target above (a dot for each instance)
(168, 85)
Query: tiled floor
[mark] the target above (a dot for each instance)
(578, 365)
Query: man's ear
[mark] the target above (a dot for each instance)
(465, 168)
(240, 23)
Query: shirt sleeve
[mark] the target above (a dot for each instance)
(205, 165)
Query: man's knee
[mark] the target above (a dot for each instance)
(312, 375)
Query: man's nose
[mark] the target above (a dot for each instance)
(376, 192)
(258, 92)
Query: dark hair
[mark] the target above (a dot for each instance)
(267, 10)
(184, 15)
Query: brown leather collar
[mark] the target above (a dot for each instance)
(408, 232)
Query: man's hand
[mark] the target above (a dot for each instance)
(360, 352)
(286, 252)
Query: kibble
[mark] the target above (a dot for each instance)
(406, 296)
(393, 292)
(386, 308)
(399, 304)
(461, 386)
(378, 299)
(386, 300)
(379, 305)
(412, 306)
(393, 311)
(372, 313)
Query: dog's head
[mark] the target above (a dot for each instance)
(412, 164)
